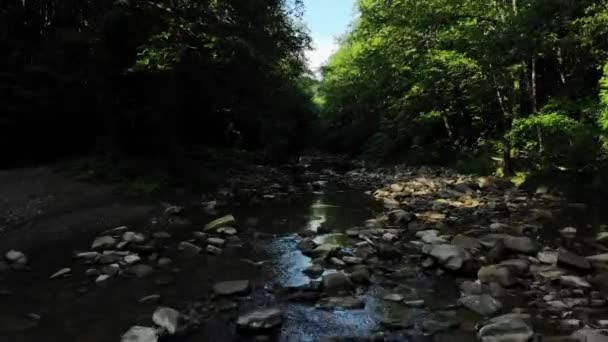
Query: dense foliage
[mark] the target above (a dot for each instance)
(515, 81)
(147, 76)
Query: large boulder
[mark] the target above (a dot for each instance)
(140, 334)
(506, 328)
(166, 318)
(336, 283)
(449, 256)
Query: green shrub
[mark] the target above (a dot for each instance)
(552, 139)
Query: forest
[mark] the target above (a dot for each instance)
(501, 85)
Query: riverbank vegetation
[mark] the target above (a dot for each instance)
(498, 86)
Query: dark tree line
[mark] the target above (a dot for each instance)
(141, 77)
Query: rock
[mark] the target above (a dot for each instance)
(150, 298)
(547, 257)
(507, 328)
(174, 210)
(519, 267)
(16, 257)
(224, 221)
(389, 252)
(344, 303)
(431, 237)
(133, 237)
(140, 334)
(574, 281)
(322, 251)
(568, 232)
(590, 335)
(572, 260)
(166, 318)
(360, 276)
(449, 256)
(161, 235)
(141, 270)
(132, 259)
(91, 272)
(188, 250)
(496, 226)
(164, 262)
(388, 237)
(337, 262)
(523, 245)
(216, 241)
(466, 242)
(314, 271)
(570, 324)
(103, 242)
(471, 288)
(232, 288)
(415, 303)
(401, 217)
(483, 305)
(336, 283)
(111, 270)
(261, 320)
(229, 231)
(394, 297)
(352, 260)
(61, 272)
(101, 278)
(497, 274)
(87, 255)
(213, 250)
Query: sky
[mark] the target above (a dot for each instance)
(327, 20)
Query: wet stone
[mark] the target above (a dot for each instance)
(104, 242)
(261, 320)
(232, 288)
(188, 250)
(506, 328)
(314, 271)
(360, 276)
(345, 303)
(166, 318)
(484, 305)
(141, 270)
(336, 282)
(224, 221)
(164, 279)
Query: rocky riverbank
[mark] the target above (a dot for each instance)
(444, 257)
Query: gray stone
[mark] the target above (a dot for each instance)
(547, 257)
(590, 335)
(224, 221)
(360, 276)
(496, 273)
(314, 271)
(568, 232)
(449, 256)
(133, 237)
(216, 241)
(15, 257)
(140, 334)
(523, 245)
(232, 288)
(229, 231)
(61, 272)
(188, 250)
(261, 320)
(507, 328)
(572, 260)
(336, 283)
(466, 242)
(484, 305)
(352, 260)
(574, 281)
(103, 242)
(213, 250)
(166, 318)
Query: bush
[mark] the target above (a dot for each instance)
(552, 139)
